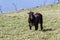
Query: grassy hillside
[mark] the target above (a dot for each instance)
(14, 25)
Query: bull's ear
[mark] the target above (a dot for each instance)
(30, 12)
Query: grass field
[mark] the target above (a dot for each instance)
(14, 25)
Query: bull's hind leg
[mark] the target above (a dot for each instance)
(41, 23)
(36, 27)
(41, 26)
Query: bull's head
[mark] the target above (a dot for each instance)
(31, 14)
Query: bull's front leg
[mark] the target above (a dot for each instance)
(36, 27)
(30, 26)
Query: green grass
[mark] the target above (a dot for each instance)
(14, 25)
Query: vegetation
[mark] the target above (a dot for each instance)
(14, 25)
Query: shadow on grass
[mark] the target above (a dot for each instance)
(50, 29)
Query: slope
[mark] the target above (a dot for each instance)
(14, 25)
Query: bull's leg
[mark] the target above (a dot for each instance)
(36, 27)
(41, 23)
(30, 25)
(41, 26)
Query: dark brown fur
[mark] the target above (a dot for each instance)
(35, 19)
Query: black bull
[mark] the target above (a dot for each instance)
(35, 19)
